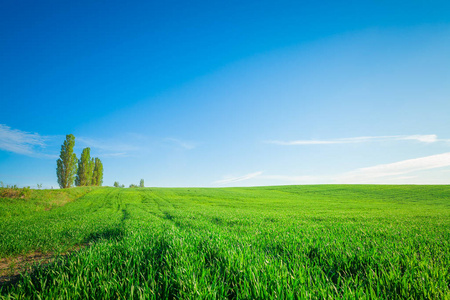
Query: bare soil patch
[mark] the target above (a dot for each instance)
(11, 268)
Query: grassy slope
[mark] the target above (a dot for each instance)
(30, 224)
(267, 242)
(39, 200)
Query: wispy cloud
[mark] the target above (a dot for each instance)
(132, 144)
(382, 172)
(231, 179)
(118, 154)
(292, 179)
(262, 179)
(429, 138)
(405, 171)
(183, 144)
(109, 148)
(22, 142)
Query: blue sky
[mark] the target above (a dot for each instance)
(235, 93)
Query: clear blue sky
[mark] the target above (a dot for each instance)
(229, 93)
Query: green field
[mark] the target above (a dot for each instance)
(287, 242)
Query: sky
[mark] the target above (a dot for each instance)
(227, 93)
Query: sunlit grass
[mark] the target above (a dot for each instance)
(269, 242)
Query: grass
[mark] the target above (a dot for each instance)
(288, 242)
(16, 202)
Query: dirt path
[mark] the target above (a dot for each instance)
(11, 268)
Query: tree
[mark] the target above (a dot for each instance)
(141, 184)
(116, 184)
(85, 168)
(97, 177)
(66, 165)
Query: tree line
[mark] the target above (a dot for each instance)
(85, 171)
(141, 184)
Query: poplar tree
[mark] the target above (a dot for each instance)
(66, 165)
(95, 174)
(97, 177)
(100, 173)
(90, 171)
(85, 168)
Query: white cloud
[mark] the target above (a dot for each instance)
(130, 145)
(111, 148)
(22, 142)
(288, 179)
(430, 138)
(183, 144)
(382, 173)
(231, 179)
(404, 172)
(118, 154)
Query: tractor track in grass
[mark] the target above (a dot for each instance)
(292, 242)
(162, 203)
(11, 268)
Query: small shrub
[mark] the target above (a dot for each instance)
(15, 192)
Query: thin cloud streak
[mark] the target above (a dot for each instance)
(284, 179)
(108, 146)
(292, 179)
(183, 144)
(430, 138)
(22, 142)
(385, 171)
(229, 180)
(120, 154)
(390, 173)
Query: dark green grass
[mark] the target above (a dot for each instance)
(328, 241)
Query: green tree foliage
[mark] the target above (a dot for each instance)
(116, 184)
(97, 177)
(141, 184)
(66, 165)
(85, 168)
(95, 174)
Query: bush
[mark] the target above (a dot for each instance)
(14, 192)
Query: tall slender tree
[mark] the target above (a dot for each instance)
(100, 173)
(66, 165)
(95, 174)
(85, 168)
(90, 172)
(97, 178)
